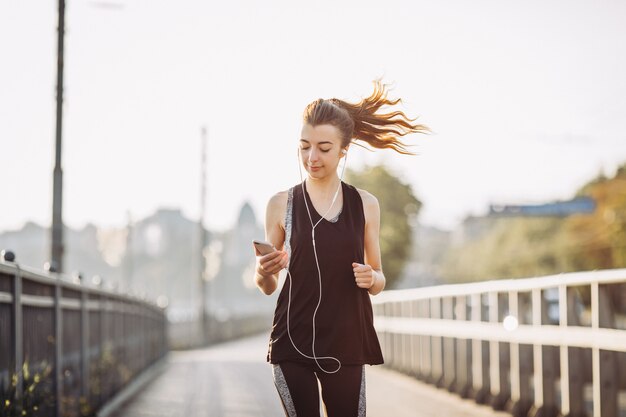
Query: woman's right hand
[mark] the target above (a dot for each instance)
(272, 263)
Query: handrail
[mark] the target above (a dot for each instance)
(533, 346)
(609, 276)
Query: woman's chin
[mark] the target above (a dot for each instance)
(315, 173)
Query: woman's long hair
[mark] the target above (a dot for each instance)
(362, 121)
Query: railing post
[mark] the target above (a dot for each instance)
(605, 378)
(414, 347)
(18, 339)
(572, 381)
(118, 326)
(436, 345)
(545, 363)
(480, 367)
(143, 323)
(58, 346)
(499, 387)
(84, 344)
(102, 342)
(426, 364)
(387, 337)
(537, 350)
(564, 354)
(405, 309)
(449, 354)
(463, 352)
(521, 396)
(401, 339)
(494, 348)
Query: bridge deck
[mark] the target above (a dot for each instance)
(233, 380)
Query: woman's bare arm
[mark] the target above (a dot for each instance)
(371, 274)
(268, 266)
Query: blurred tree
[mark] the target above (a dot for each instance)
(398, 211)
(599, 240)
(516, 247)
(511, 248)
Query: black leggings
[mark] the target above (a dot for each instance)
(343, 392)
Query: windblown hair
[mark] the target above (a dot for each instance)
(363, 121)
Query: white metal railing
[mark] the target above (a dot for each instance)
(546, 345)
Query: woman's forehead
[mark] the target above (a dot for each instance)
(320, 133)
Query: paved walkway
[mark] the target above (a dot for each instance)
(233, 380)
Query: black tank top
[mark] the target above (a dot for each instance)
(344, 322)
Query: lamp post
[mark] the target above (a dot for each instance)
(58, 246)
(202, 239)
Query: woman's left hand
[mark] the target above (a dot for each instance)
(363, 275)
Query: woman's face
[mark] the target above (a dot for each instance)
(320, 150)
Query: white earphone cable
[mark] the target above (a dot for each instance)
(319, 272)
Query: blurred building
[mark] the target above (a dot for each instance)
(159, 256)
(430, 245)
(31, 245)
(232, 288)
(160, 260)
(472, 228)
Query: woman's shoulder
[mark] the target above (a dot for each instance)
(278, 201)
(277, 204)
(367, 197)
(370, 203)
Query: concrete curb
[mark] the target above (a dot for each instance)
(136, 385)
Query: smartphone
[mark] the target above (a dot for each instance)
(263, 247)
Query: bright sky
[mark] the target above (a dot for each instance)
(527, 100)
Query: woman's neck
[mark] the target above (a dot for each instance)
(324, 186)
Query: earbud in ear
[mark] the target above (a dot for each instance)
(343, 151)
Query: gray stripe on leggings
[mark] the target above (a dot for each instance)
(362, 394)
(283, 390)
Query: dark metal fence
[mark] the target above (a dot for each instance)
(66, 348)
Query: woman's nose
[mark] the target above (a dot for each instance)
(313, 155)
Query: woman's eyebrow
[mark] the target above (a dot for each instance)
(325, 142)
